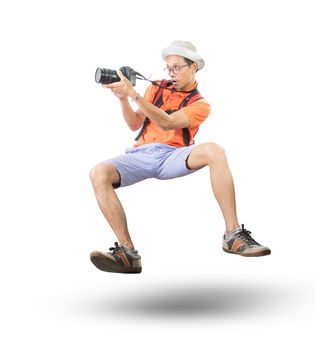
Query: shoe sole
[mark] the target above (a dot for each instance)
(250, 255)
(108, 265)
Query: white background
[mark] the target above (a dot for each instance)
(56, 123)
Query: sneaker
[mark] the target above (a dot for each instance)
(120, 259)
(240, 242)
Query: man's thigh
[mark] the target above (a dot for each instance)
(200, 155)
(176, 164)
(132, 167)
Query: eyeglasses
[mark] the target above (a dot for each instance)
(175, 69)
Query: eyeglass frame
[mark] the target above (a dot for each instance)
(169, 70)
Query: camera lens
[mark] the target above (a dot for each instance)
(98, 75)
(106, 76)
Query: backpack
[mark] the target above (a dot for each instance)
(158, 102)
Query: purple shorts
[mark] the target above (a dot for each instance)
(153, 160)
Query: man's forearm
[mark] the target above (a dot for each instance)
(131, 117)
(123, 89)
(157, 115)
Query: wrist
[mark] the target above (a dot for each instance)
(123, 99)
(134, 96)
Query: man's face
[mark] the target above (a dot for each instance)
(182, 76)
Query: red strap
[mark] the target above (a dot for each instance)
(159, 92)
(194, 98)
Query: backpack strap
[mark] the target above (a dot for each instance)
(192, 97)
(157, 101)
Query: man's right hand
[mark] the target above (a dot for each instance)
(121, 89)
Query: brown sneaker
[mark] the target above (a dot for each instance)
(121, 259)
(240, 242)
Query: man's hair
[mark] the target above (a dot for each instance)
(188, 61)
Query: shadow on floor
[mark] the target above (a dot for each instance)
(198, 300)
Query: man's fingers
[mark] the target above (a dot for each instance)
(119, 73)
(112, 85)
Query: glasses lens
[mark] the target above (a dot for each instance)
(176, 68)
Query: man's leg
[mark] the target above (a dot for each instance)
(103, 177)
(212, 155)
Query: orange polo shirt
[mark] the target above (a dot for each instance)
(196, 112)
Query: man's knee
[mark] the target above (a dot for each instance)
(104, 173)
(213, 152)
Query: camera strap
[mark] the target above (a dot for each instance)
(141, 77)
(153, 82)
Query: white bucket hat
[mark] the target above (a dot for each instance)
(185, 49)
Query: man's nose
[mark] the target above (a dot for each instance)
(171, 74)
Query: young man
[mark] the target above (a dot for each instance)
(170, 114)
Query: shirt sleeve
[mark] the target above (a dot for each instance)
(150, 93)
(197, 112)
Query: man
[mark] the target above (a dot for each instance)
(170, 113)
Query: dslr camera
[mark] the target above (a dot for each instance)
(108, 76)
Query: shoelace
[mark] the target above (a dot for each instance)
(245, 236)
(115, 249)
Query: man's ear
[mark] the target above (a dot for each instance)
(195, 67)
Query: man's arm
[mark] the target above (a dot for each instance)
(134, 119)
(123, 89)
(176, 120)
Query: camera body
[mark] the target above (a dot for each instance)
(108, 76)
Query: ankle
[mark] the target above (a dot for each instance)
(230, 229)
(127, 244)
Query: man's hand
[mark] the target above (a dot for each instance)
(121, 89)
